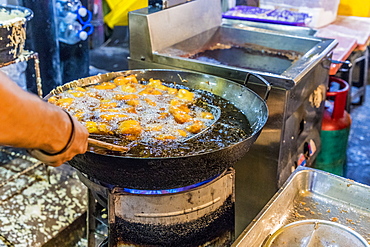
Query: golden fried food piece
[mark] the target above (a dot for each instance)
(108, 105)
(80, 89)
(122, 80)
(180, 113)
(64, 102)
(118, 96)
(182, 133)
(181, 117)
(163, 115)
(206, 115)
(127, 108)
(182, 107)
(128, 88)
(154, 128)
(92, 127)
(150, 102)
(157, 84)
(130, 110)
(109, 117)
(125, 96)
(171, 90)
(185, 95)
(175, 102)
(105, 129)
(130, 127)
(150, 91)
(94, 95)
(79, 115)
(78, 94)
(53, 100)
(97, 128)
(133, 102)
(165, 137)
(179, 105)
(110, 110)
(196, 127)
(106, 85)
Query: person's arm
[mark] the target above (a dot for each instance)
(28, 122)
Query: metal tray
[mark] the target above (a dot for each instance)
(275, 16)
(311, 194)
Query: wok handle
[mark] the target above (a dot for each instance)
(268, 85)
(108, 145)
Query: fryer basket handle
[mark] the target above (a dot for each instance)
(268, 85)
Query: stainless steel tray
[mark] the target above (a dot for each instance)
(311, 194)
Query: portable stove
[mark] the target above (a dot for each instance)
(196, 215)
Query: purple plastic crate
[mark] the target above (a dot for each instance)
(277, 16)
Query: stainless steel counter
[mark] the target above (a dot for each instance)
(312, 194)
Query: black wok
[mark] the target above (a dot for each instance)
(174, 172)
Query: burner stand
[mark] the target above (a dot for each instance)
(201, 216)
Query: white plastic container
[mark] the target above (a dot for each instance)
(323, 12)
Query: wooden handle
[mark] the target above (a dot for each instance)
(108, 145)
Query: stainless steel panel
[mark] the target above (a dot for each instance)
(312, 194)
(159, 29)
(171, 3)
(173, 208)
(295, 105)
(258, 26)
(285, 74)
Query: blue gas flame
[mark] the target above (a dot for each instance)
(167, 191)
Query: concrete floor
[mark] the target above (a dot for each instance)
(358, 151)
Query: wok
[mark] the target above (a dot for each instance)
(157, 173)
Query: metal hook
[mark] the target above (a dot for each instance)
(343, 69)
(268, 85)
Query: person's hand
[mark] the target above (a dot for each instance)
(78, 145)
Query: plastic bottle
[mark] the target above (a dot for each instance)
(70, 30)
(71, 33)
(64, 7)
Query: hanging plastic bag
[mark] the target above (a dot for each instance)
(118, 16)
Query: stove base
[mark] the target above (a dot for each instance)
(215, 229)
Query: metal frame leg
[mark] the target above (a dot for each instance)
(90, 220)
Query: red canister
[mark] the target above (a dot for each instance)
(335, 129)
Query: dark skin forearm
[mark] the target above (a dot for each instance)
(26, 121)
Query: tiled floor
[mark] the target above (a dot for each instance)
(358, 152)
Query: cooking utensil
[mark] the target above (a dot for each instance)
(107, 145)
(177, 171)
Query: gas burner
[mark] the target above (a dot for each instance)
(88, 182)
(196, 215)
(168, 191)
